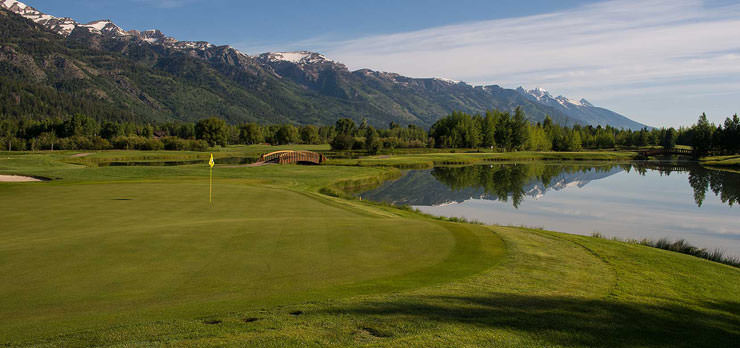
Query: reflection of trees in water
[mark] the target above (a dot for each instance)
(506, 181)
(509, 180)
(724, 184)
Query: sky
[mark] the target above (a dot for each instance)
(659, 62)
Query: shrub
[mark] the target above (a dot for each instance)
(197, 145)
(128, 142)
(152, 144)
(390, 143)
(99, 143)
(175, 144)
(135, 142)
(359, 144)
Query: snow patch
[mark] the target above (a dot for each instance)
(10, 3)
(97, 25)
(293, 57)
(565, 101)
(300, 57)
(450, 81)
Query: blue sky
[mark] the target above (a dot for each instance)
(660, 62)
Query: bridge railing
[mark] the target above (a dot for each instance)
(653, 152)
(288, 156)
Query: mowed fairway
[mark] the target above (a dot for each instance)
(136, 256)
(99, 254)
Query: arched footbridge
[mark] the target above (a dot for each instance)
(657, 152)
(291, 157)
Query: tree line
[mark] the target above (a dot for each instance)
(494, 130)
(505, 132)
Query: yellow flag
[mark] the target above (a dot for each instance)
(210, 162)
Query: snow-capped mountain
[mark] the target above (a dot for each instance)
(300, 87)
(544, 96)
(61, 26)
(581, 109)
(67, 26)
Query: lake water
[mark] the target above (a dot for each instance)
(638, 200)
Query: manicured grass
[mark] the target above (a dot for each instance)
(136, 256)
(132, 251)
(435, 159)
(684, 247)
(721, 161)
(91, 157)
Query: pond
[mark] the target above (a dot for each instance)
(635, 200)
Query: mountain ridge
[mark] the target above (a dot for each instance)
(585, 111)
(302, 87)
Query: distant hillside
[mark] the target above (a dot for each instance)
(582, 110)
(53, 67)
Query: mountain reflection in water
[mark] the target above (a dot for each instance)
(630, 200)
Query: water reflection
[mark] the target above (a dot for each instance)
(514, 182)
(725, 185)
(631, 200)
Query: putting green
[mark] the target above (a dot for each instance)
(99, 254)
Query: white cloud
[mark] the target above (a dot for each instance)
(600, 51)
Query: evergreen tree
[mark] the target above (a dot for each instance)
(488, 131)
(519, 130)
(702, 136)
(669, 139)
(503, 131)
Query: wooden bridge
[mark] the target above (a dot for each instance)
(289, 157)
(658, 152)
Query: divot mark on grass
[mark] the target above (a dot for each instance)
(212, 322)
(375, 332)
(296, 313)
(250, 320)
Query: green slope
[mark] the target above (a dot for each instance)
(134, 256)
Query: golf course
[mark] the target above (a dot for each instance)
(282, 255)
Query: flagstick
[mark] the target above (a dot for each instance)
(210, 182)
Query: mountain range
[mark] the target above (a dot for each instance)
(54, 66)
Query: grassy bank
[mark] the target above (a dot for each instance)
(437, 159)
(136, 256)
(721, 161)
(684, 247)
